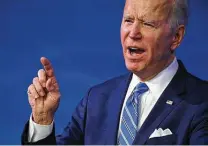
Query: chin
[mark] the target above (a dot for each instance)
(135, 67)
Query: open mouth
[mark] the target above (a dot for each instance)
(136, 50)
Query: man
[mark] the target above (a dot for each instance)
(158, 102)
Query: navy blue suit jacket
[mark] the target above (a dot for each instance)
(96, 118)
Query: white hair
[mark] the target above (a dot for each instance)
(179, 14)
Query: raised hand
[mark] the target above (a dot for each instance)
(44, 95)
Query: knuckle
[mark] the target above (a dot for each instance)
(40, 72)
(30, 96)
(41, 75)
(41, 80)
(35, 79)
(39, 90)
(30, 86)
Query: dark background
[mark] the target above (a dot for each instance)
(81, 38)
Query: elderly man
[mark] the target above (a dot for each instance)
(158, 102)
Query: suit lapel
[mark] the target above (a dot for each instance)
(161, 110)
(115, 103)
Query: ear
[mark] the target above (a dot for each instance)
(178, 37)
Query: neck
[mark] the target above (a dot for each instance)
(149, 74)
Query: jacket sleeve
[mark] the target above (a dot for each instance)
(50, 140)
(73, 133)
(199, 132)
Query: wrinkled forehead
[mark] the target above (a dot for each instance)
(159, 9)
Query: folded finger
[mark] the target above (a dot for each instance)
(42, 77)
(32, 93)
(39, 89)
(31, 98)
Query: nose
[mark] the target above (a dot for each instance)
(135, 31)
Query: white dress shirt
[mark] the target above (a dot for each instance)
(156, 87)
(37, 131)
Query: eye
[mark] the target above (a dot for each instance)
(127, 20)
(149, 24)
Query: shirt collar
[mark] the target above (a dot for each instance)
(158, 84)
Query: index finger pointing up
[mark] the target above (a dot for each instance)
(47, 66)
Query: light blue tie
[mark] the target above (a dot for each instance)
(130, 117)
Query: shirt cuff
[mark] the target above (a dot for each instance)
(37, 131)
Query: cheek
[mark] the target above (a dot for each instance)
(151, 43)
(157, 48)
(124, 33)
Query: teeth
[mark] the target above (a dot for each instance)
(133, 48)
(136, 50)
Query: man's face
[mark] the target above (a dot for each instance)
(146, 36)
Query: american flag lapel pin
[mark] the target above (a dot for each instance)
(169, 102)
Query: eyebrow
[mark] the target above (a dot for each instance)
(127, 16)
(143, 19)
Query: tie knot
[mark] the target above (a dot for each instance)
(138, 91)
(140, 88)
